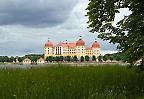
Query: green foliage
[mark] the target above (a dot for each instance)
(33, 58)
(105, 57)
(32, 55)
(115, 56)
(65, 82)
(129, 32)
(75, 59)
(61, 58)
(93, 58)
(111, 58)
(20, 59)
(100, 58)
(87, 58)
(12, 59)
(57, 58)
(6, 59)
(49, 59)
(68, 58)
(81, 58)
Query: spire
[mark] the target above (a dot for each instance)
(95, 40)
(66, 41)
(48, 39)
(80, 37)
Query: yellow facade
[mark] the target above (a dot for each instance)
(70, 49)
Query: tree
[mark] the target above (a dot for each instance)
(4, 59)
(100, 58)
(57, 58)
(12, 59)
(93, 58)
(111, 58)
(117, 57)
(33, 58)
(20, 59)
(75, 59)
(68, 58)
(87, 58)
(105, 57)
(81, 58)
(49, 59)
(61, 58)
(128, 32)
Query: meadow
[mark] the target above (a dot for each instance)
(70, 82)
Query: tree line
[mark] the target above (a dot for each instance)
(70, 58)
(35, 57)
(32, 57)
(104, 58)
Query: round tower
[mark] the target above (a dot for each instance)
(48, 49)
(96, 48)
(80, 47)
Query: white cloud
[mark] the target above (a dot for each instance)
(20, 40)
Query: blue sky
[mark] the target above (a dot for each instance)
(25, 25)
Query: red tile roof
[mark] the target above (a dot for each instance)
(49, 44)
(88, 48)
(80, 42)
(69, 45)
(95, 45)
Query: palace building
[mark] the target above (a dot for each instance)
(77, 48)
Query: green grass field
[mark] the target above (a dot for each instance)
(65, 82)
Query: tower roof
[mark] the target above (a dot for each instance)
(95, 45)
(49, 44)
(80, 42)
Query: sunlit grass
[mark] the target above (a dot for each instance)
(65, 82)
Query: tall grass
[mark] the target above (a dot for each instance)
(64, 82)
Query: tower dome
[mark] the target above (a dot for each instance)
(49, 44)
(95, 45)
(80, 42)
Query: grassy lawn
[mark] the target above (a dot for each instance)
(64, 82)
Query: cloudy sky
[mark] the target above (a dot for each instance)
(25, 25)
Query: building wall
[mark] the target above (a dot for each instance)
(48, 51)
(96, 52)
(75, 51)
(40, 62)
(26, 62)
(89, 52)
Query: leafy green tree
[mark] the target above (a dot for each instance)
(93, 58)
(81, 58)
(75, 59)
(68, 58)
(105, 57)
(87, 58)
(61, 58)
(124, 59)
(12, 59)
(4, 59)
(100, 58)
(57, 58)
(128, 32)
(111, 58)
(49, 59)
(20, 59)
(33, 58)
